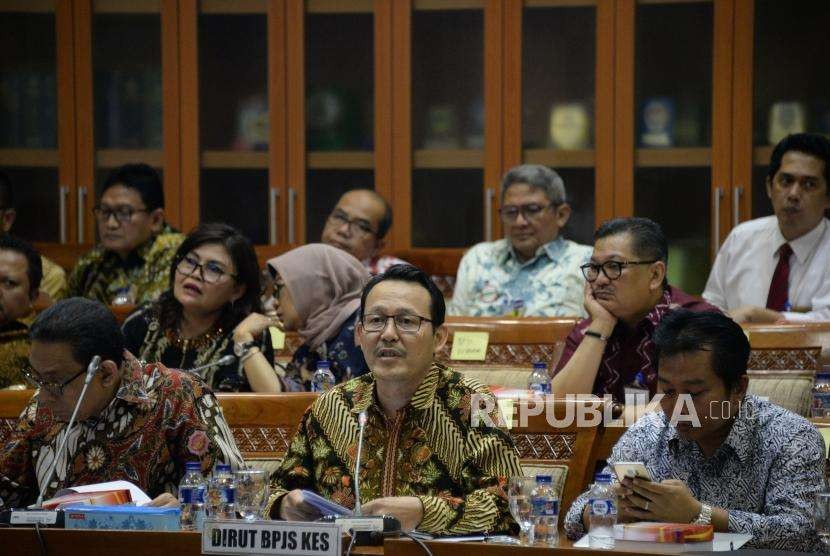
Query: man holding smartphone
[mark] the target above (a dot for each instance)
(743, 464)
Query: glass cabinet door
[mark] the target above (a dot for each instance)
(233, 117)
(559, 59)
(447, 119)
(673, 80)
(29, 153)
(791, 83)
(126, 56)
(339, 102)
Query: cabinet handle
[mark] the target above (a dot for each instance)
(488, 214)
(737, 192)
(273, 194)
(81, 213)
(717, 195)
(63, 193)
(292, 197)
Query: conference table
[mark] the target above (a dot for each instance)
(66, 542)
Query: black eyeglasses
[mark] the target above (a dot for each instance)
(530, 211)
(611, 269)
(340, 218)
(210, 272)
(122, 214)
(53, 387)
(404, 323)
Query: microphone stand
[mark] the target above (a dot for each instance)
(221, 362)
(35, 514)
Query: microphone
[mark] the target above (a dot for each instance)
(361, 420)
(221, 362)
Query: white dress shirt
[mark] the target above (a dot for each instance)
(744, 266)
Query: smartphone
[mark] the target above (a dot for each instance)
(631, 469)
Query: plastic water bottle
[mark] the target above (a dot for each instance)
(545, 512)
(323, 379)
(192, 497)
(539, 380)
(517, 308)
(602, 513)
(219, 500)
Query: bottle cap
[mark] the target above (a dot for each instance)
(223, 468)
(543, 479)
(323, 364)
(602, 478)
(193, 466)
(540, 365)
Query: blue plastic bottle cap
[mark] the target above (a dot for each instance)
(602, 478)
(543, 479)
(323, 364)
(540, 365)
(193, 466)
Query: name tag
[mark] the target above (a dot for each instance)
(284, 538)
(470, 346)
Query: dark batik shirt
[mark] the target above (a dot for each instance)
(629, 354)
(765, 474)
(429, 450)
(158, 420)
(14, 353)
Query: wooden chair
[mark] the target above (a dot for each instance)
(566, 452)
(773, 345)
(264, 424)
(12, 403)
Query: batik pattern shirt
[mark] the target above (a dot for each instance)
(765, 474)
(381, 263)
(346, 359)
(14, 353)
(628, 358)
(491, 279)
(429, 450)
(158, 420)
(101, 274)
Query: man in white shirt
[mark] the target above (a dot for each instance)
(778, 267)
(533, 270)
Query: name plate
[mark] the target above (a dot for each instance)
(469, 346)
(30, 517)
(283, 538)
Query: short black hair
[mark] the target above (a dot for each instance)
(685, 331)
(814, 144)
(648, 240)
(34, 266)
(143, 179)
(413, 274)
(6, 193)
(86, 325)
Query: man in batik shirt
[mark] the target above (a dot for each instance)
(136, 423)
(422, 462)
(132, 262)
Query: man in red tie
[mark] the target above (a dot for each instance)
(778, 267)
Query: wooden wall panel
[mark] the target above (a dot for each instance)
(189, 113)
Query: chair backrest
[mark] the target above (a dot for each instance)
(789, 346)
(12, 403)
(555, 436)
(791, 390)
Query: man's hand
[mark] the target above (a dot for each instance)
(408, 510)
(293, 508)
(669, 501)
(751, 313)
(165, 500)
(603, 321)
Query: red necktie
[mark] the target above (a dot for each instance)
(779, 287)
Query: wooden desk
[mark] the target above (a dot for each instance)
(81, 542)
(405, 547)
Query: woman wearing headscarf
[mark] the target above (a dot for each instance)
(317, 291)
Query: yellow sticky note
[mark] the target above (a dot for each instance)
(470, 346)
(825, 432)
(277, 338)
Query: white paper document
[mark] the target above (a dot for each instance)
(139, 496)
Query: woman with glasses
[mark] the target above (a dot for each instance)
(317, 292)
(209, 320)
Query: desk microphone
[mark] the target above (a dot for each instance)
(221, 362)
(361, 420)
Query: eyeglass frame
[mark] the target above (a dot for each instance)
(601, 267)
(98, 211)
(394, 321)
(51, 386)
(343, 218)
(521, 209)
(201, 268)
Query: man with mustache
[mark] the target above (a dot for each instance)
(626, 296)
(776, 267)
(423, 461)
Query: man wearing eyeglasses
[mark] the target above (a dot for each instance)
(140, 423)
(358, 224)
(132, 261)
(533, 271)
(422, 461)
(626, 295)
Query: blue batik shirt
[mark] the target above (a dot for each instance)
(765, 474)
(491, 279)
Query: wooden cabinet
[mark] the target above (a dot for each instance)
(262, 112)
